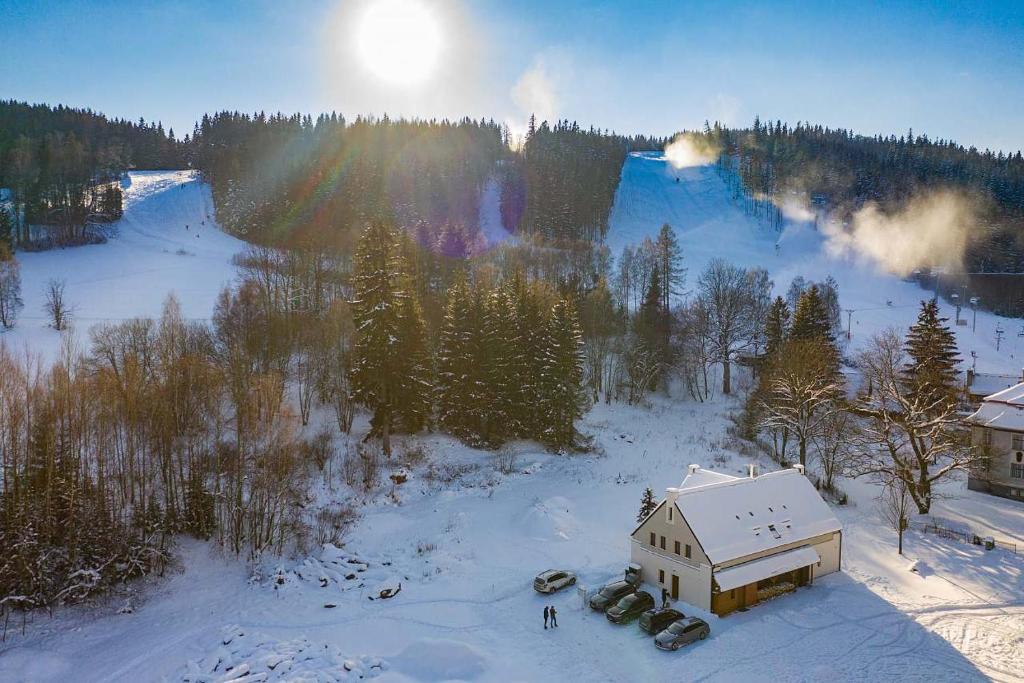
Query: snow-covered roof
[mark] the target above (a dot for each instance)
(766, 567)
(733, 517)
(1013, 395)
(696, 476)
(998, 415)
(988, 385)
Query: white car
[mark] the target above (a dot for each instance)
(552, 580)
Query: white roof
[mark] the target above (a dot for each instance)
(985, 384)
(766, 567)
(700, 477)
(1012, 394)
(999, 416)
(738, 516)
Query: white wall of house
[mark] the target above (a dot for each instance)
(829, 551)
(694, 577)
(1003, 447)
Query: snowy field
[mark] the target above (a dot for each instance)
(150, 254)
(465, 540)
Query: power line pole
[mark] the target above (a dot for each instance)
(999, 335)
(849, 320)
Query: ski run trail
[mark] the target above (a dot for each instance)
(465, 540)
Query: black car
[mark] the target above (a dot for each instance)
(630, 607)
(655, 621)
(611, 594)
(682, 632)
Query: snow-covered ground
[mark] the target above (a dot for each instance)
(465, 540)
(166, 242)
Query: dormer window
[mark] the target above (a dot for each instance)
(775, 532)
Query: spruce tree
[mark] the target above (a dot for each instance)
(647, 505)
(413, 402)
(376, 310)
(500, 344)
(932, 372)
(776, 327)
(563, 397)
(454, 363)
(811, 317)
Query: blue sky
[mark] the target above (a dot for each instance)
(947, 69)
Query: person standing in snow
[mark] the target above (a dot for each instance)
(546, 617)
(554, 622)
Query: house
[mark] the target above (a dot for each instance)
(978, 385)
(998, 427)
(722, 543)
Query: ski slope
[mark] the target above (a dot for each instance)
(166, 242)
(709, 225)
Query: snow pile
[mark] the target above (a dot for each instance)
(243, 657)
(332, 568)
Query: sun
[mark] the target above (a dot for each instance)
(399, 41)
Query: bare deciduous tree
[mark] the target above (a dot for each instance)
(56, 305)
(801, 392)
(894, 505)
(726, 291)
(10, 291)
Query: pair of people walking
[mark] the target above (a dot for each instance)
(550, 615)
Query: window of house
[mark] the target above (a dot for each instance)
(677, 548)
(652, 538)
(661, 576)
(1018, 442)
(1017, 470)
(671, 514)
(775, 532)
(687, 551)
(662, 542)
(986, 437)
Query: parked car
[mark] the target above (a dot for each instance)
(552, 580)
(654, 621)
(630, 607)
(610, 594)
(682, 632)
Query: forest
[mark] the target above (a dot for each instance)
(62, 166)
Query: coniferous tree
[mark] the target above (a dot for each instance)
(563, 398)
(811, 317)
(776, 327)
(651, 324)
(670, 265)
(647, 505)
(377, 370)
(455, 363)
(931, 345)
(415, 386)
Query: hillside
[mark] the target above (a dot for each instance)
(464, 538)
(166, 242)
(709, 225)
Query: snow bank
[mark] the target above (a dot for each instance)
(244, 657)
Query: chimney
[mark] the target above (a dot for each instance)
(671, 495)
(799, 468)
(692, 468)
(752, 471)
